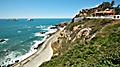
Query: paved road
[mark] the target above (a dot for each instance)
(43, 54)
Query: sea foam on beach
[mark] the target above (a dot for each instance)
(32, 49)
(23, 37)
(4, 41)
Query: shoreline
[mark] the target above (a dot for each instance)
(13, 57)
(43, 50)
(40, 47)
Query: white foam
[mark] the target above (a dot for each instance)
(51, 30)
(38, 27)
(48, 27)
(51, 26)
(45, 29)
(19, 31)
(32, 50)
(38, 42)
(26, 55)
(39, 34)
(21, 41)
(20, 58)
(42, 27)
(4, 41)
(11, 58)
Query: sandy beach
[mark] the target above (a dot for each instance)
(43, 54)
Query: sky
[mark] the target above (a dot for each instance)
(45, 8)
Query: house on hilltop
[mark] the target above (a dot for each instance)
(104, 10)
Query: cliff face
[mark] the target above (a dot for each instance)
(89, 42)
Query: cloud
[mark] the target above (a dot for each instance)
(90, 7)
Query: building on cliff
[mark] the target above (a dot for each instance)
(104, 10)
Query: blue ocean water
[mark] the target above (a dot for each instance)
(20, 36)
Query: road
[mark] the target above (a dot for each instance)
(43, 54)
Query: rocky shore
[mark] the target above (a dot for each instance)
(43, 51)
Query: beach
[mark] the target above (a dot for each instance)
(43, 54)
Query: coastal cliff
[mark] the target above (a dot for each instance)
(89, 42)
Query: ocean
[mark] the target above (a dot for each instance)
(20, 35)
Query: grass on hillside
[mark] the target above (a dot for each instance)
(101, 51)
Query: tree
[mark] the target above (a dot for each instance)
(113, 3)
(118, 6)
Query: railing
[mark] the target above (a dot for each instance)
(98, 17)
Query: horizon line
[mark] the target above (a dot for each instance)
(38, 18)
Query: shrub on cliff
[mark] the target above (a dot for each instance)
(101, 51)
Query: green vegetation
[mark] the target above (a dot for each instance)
(102, 51)
(102, 7)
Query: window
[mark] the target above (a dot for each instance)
(118, 17)
(114, 17)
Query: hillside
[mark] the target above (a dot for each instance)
(89, 42)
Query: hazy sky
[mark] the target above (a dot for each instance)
(44, 8)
